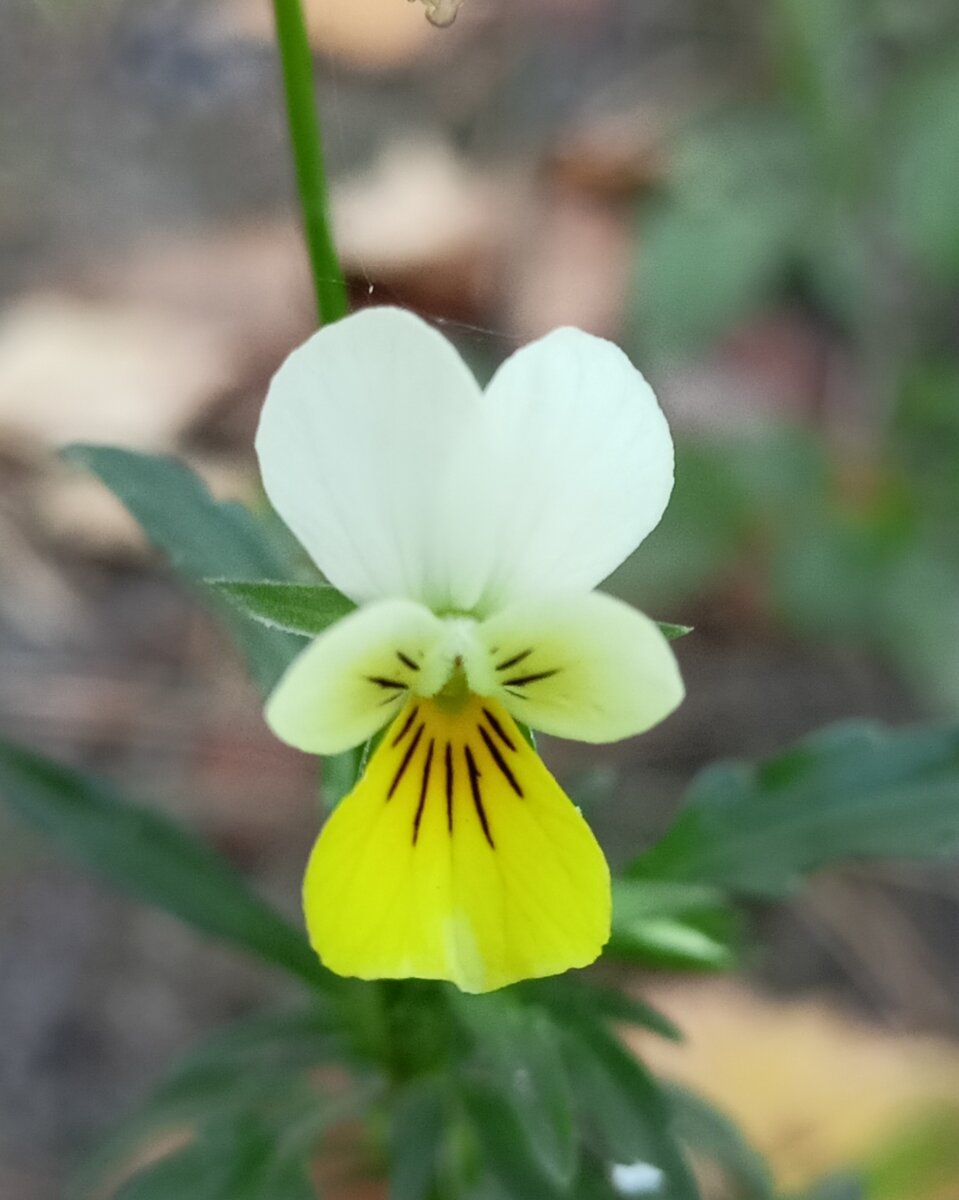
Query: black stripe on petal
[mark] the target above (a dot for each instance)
(410, 749)
(424, 786)
(500, 761)
(474, 776)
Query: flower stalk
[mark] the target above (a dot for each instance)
(307, 143)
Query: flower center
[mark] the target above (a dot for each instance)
(456, 667)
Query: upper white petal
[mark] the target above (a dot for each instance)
(582, 462)
(401, 479)
(359, 444)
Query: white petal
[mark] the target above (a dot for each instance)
(584, 463)
(358, 444)
(584, 667)
(354, 678)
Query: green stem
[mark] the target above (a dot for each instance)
(307, 142)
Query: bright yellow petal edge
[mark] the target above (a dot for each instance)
(457, 856)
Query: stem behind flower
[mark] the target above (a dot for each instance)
(306, 138)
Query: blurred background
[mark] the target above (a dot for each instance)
(758, 199)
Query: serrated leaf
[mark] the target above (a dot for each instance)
(710, 1134)
(145, 854)
(626, 1110)
(520, 1048)
(851, 792)
(304, 609)
(202, 538)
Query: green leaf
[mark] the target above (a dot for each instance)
(671, 632)
(521, 1050)
(418, 1128)
(503, 1143)
(712, 1135)
(305, 609)
(924, 154)
(243, 1063)
(624, 1107)
(575, 999)
(672, 924)
(852, 791)
(201, 537)
(713, 252)
(151, 858)
(261, 1070)
(229, 1161)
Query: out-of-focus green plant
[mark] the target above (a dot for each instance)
(828, 182)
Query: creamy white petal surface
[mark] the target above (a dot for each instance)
(401, 479)
(585, 667)
(359, 445)
(581, 466)
(354, 678)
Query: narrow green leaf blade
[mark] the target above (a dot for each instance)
(233, 1160)
(851, 792)
(145, 854)
(624, 1106)
(305, 609)
(573, 999)
(712, 1135)
(417, 1132)
(201, 537)
(521, 1047)
(503, 1144)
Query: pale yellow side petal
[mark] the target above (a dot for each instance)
(354, 678)
(586, 667)
(456, 857)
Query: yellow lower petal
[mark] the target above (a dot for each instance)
(457, 856)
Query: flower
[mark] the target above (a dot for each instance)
(470, 528)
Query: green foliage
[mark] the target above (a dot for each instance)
(625, 1115)
(925, 162)
(417, 1126)
(855, 791)
(300, 608)
(715, 249)
(151, 858)
(671, 924)
(519, 1052)
(202, 538)
(309, 609)
(525, 1093)
(253, 1107)
(712, 1136)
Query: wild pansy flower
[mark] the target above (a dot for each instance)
(470, 528)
